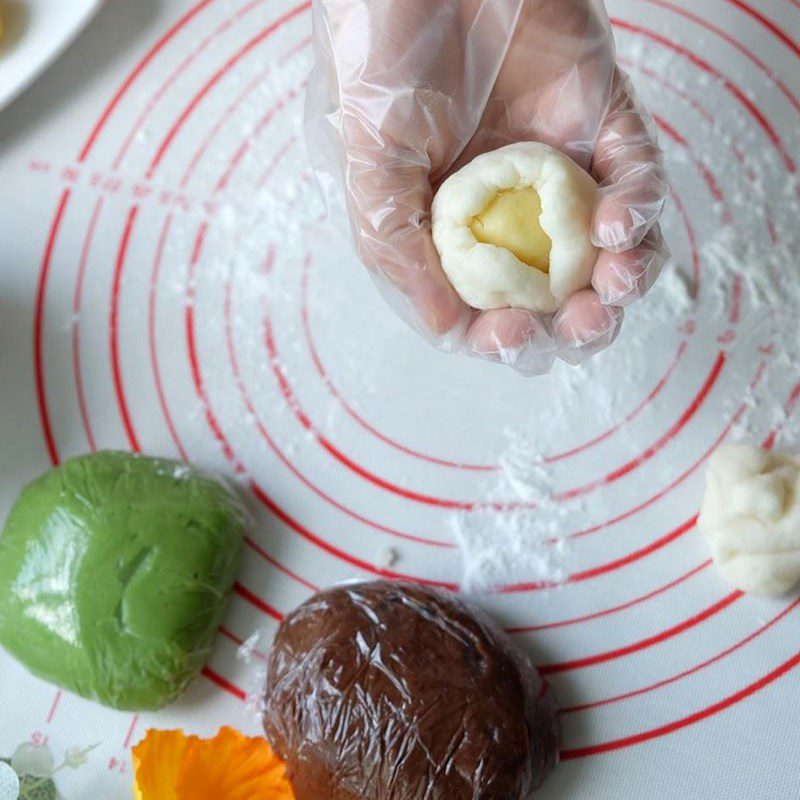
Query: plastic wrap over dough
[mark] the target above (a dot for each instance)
(387, 691)
(115, 571)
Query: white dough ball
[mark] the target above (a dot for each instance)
(751, 518)
(513, 228)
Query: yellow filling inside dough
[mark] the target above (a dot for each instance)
(511, 220)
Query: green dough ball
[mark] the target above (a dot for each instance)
(115, 571)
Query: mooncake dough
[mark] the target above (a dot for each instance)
(115, 571)
(387, 691)
(512, 228)
(751, 518)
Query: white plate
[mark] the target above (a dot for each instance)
(36, 33)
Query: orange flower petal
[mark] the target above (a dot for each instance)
(231, 767)
(156, 762)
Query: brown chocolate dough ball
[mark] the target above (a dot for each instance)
(388, 691)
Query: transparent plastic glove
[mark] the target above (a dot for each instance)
(406, 93)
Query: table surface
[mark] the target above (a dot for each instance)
(166, 285)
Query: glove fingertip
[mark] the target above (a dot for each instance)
(585, 326)
(620, 225)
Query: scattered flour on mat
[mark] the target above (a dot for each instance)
(499, 543)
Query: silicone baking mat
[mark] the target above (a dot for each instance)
(168, 286)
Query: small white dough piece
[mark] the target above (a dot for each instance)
(751, 518)
(487, 276)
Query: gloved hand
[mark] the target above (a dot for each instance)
(406, 93)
